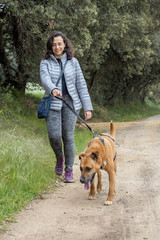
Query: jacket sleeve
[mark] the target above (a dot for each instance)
(82, 89)
(45, 77)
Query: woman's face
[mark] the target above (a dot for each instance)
(58, 46)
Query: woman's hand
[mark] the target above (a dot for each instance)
(56, 92)
(88, 115)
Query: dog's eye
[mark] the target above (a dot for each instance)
(88, 169)
(81, 169)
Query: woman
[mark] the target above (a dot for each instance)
(72, 88)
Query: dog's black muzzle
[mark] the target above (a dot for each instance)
(84, 181)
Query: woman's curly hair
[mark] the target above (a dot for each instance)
(69, 50)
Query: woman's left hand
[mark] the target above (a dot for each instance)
(88, 115)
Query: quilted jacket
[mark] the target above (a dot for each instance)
(75, 82)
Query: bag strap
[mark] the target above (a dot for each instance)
(62, 71)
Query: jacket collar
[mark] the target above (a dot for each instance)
(63, 57)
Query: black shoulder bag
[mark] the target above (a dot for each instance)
(44, 104)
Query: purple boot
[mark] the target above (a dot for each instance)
(68, 178)
(59, 166)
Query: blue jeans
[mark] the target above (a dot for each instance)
(61, 127)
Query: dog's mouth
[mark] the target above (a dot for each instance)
(88, 184)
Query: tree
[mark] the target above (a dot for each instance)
(116, 43)
(129, 53)
(23, 28)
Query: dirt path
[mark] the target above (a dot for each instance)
(135, 213)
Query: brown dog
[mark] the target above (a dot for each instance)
(99, 154)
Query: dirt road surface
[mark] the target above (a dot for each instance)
(135, 212)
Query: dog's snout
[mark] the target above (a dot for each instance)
(82, 179)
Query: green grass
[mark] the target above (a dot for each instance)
(26, 159)
(134, 111)
(125, 112)
(26, 166)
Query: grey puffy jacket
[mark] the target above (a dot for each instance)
(75, 82)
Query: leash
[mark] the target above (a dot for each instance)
(94, 134)
(77, 115)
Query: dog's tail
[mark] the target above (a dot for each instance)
(112, 129)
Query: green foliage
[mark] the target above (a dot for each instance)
(24, 27)
(154, 93)
(116, 43)
(125, 72)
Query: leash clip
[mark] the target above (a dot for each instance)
(95, 134)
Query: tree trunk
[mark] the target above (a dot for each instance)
(15, 79)
(92, 81)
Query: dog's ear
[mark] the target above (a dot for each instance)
(94, 156)
(80, 156)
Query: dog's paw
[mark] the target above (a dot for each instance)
(107, 203)
(99, 189)
(91, 197)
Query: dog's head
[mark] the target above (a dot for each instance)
(89, 165)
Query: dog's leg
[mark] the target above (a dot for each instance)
(99, 183)
(92, 190)
(111, 189)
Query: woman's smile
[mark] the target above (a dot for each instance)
(58, 46)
